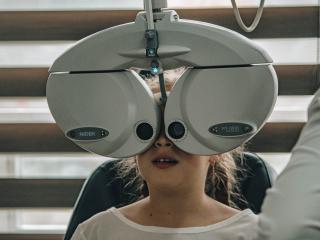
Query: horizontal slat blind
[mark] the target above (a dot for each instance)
(293, 80)
(25, 236)
(298, 79)
(23, 82)
(277, 22)
(34, 138)
(276, 137)
(26, 193)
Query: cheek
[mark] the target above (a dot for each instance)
(200, 165)
(142, 166)
(201, 162)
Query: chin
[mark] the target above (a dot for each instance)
(165, 184)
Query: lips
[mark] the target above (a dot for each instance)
(164, 162)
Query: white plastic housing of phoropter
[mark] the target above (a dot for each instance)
(222, 100)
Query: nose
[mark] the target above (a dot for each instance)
(163, 141)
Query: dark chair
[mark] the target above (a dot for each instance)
(103, 189)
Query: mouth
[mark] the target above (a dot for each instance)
(164, 162)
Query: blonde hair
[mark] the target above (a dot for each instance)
(221, 181)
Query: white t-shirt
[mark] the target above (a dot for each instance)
(113, 225)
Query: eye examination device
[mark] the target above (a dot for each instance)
(223, 98)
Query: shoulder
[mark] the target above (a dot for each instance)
(99, 224)
(245, 227)
(106, 216)
(237, 220)
(242, 225)
(222, 213)
(244, 222)
(248, 216)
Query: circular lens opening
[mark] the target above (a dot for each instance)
(144, 131)
(176, 130)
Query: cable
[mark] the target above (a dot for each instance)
(255, 21)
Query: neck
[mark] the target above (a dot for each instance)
(179, 204)
(180, 210)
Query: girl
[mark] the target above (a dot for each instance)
(178, 205)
